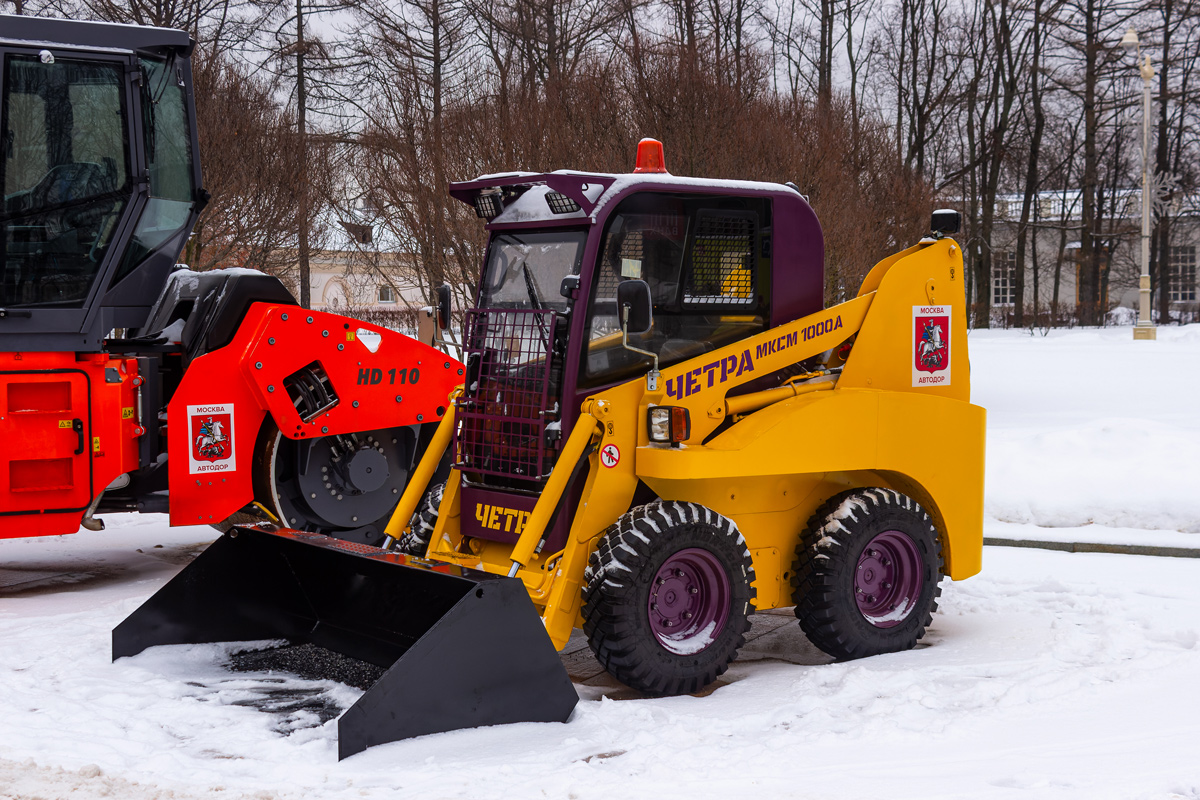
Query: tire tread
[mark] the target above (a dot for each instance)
(415, 541)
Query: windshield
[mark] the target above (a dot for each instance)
(65, 172)
(525, 270)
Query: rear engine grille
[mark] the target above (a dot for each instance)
(311, 391)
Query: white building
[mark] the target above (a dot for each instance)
(1054, 221)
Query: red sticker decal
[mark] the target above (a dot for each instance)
(931, 346)
(211, 429)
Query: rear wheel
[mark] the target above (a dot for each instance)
(866, 574)
(668, 597)
(343, 486)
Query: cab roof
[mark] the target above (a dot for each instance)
(43, 32)
(581, 196)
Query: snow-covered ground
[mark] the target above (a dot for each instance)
(1048, 675)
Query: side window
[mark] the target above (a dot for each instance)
(65, 172)
(646, 247)
(706, 270)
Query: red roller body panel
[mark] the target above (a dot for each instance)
(68, 428)
(381, 378)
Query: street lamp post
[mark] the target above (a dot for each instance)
(1145, 325)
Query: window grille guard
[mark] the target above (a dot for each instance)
(723, 261)
(505, 408)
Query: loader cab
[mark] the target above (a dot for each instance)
(723, 260)
(100, 183)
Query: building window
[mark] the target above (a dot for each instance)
(1182, 271)
(1004, 281)
(1048, 207)
(387, 294)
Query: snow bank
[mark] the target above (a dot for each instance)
(28, 780)
(1088, 427)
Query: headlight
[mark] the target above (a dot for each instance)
(668, 424)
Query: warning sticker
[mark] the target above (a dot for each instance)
(610, 456)
(931, 346)
(211, 429)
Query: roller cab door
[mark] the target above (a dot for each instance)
(67, 174)
(46, 436)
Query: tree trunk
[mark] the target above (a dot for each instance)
(1088, 282)
(1036, 275)
(437, 65)
(825, 54)
(1031, 173)
(1160, 252)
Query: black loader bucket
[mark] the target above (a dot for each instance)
(460, 648)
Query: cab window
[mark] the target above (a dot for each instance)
(65, 173)
(167, 137)
(707, 263)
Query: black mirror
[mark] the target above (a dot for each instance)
(569, 286)
(633, 300)
(946, 221)
(443, 306)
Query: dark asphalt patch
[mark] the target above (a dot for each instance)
(311, 662)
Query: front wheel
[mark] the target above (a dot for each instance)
(867, 573)
(668, 597)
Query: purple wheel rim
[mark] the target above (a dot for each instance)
(887, 582)
(689, 601)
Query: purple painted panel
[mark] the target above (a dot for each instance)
(797, 260)
(496, 516)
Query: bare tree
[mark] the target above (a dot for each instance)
(1088, 31)
(1035, 119)
(250, 155)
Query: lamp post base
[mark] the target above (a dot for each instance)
(1147, 332)
(1144, 329)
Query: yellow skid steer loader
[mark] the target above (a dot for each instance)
(661, 429)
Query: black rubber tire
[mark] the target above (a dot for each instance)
(828, 556)
(416, 541)
(616, 598)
